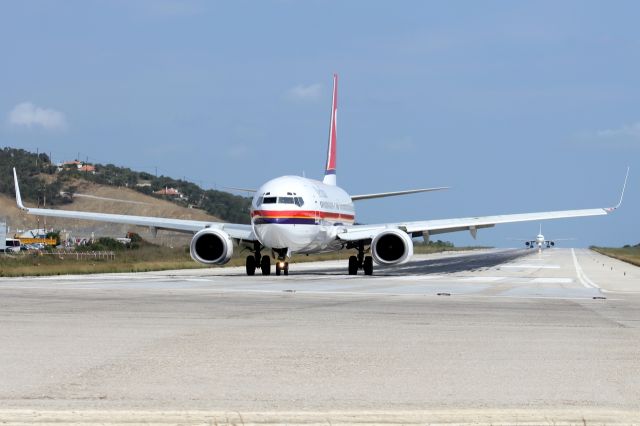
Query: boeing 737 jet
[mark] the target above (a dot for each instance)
(293, 214)
(541, 242)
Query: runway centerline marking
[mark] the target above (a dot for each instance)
(525, 266)
(552, 280)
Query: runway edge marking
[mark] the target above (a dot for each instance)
(582, 277)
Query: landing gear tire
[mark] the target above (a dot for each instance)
(282, 268)
(251, 265)
(368, 265)
(265, 265)
(353, 265)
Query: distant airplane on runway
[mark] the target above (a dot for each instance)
(292, 214)
(540, 241)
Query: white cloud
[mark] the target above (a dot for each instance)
(632, 131)
(312, 92)
(627, 135)
(26, 114)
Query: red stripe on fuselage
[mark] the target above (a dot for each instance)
(301, 214)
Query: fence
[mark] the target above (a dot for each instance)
(106, 255)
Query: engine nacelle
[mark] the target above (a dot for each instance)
(211, 247)
(392, 247)
(527, 244)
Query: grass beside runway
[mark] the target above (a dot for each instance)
(148, 257)
(626, 254)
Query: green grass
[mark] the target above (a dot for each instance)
(149, 258)
(626, 254)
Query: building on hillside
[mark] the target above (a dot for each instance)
(171, 192)
(77, 165)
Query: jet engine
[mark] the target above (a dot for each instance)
(211, 247)
(392, 247)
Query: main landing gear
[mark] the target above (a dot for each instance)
(256, 261)
(360, 262)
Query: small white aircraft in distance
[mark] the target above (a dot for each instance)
(292, 214)
(540, 241)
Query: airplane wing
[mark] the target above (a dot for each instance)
(236, 231)
(426, 228)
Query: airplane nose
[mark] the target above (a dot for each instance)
(279, 236)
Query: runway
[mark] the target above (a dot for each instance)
(483, 336)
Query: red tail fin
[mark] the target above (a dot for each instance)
(330, 169)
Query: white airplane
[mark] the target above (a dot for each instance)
(540, 241)
(292, 214)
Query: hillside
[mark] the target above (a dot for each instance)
(40, 180)
(102, 198)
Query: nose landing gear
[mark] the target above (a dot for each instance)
(282, 267)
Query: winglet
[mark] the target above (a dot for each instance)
(18, 197)
(624, 186)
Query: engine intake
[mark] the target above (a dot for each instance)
(392, 247)
(211, 247)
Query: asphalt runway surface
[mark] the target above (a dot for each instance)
(481, 337)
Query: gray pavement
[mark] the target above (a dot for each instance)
(513, 334)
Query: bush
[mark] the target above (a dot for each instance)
(102, 244)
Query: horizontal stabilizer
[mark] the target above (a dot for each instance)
(233, 188)
(394, 193)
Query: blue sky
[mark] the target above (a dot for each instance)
(519, 106)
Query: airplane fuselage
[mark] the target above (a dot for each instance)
(299, 214)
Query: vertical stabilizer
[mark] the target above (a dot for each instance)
(330, 169)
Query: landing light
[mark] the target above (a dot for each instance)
(281, 264)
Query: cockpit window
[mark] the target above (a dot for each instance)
(298, 201)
